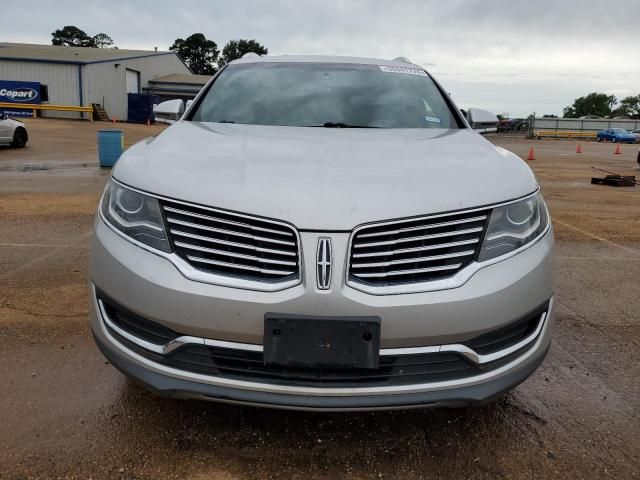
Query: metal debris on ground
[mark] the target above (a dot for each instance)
(614, 179)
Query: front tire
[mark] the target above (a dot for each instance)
(614, 140)
(599, 139)
(20, 138)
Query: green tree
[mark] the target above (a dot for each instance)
(102, 40)
(599, 104)
(628, 107)
(71, 36)
(235, 49)
(198, 53)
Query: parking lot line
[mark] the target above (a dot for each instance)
(633, 251)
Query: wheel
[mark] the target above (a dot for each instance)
(599, 139)
(19, 138)
(614, 140)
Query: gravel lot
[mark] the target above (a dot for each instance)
(66, 413)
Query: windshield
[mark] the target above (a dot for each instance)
(619, 130)
(325, 95)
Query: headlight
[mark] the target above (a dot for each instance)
(137, 216)
(513, 226)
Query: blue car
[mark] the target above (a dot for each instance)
(616, 135)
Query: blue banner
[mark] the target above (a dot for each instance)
(18, 92)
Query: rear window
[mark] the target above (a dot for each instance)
(317, 95)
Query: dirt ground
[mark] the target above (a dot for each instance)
(66, 413)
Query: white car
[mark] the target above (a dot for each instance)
(12, 132)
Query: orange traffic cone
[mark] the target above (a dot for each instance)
(531, 156)
(113, 120)
(578, 149)
(148, 122)
(617, 152)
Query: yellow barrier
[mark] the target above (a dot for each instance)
(44, 106)
(564, 134)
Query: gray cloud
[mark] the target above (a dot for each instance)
(515, 56)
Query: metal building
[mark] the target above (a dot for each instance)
(177, 85)
(84, 76)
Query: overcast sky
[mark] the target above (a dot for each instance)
(507, 56)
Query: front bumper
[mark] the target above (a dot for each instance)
(170, 386)
(151, 286)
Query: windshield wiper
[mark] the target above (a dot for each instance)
(342, 125)
(224, 121)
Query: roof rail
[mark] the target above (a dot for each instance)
(402, 59)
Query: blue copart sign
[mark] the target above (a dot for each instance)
(18, 92)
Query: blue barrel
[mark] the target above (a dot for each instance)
(110, 146)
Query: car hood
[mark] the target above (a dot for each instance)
(11, 122)
(325, 178)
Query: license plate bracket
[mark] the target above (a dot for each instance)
(321, 342)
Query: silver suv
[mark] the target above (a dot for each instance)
(323, 233)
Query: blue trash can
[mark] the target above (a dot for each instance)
(110, 146)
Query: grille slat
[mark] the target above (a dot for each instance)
(231, 244)
(416, 250)
(266, 271)
(230, 222)
(422, 237)
(430, 258)
(235, 254)
(409, 272)
(419, 227)
(224, 231)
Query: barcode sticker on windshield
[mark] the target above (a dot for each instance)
(432, 119)
(410, 71)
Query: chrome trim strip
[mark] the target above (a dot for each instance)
(417, 249)
(425, 227)
(180, 233)
(420, 237)
(431, 258)
(240, 266)
(192, 273)
(479, 359)
(176, 342)
(186, 213)
(455, 281)
(228, 253)
(395, 273)
(251, 347)
(384, 352)
(325, 391)
(199, 226)
(467, 352)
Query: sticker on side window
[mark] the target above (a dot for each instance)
(432, 119)
(410, 71)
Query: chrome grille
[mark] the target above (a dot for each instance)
(416, 250)
(233, 244)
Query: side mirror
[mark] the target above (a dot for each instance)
(169, 111)
(483, 121)
(4, 116)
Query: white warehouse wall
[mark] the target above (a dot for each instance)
(102, 83)
(62, 80)
(105, 83)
